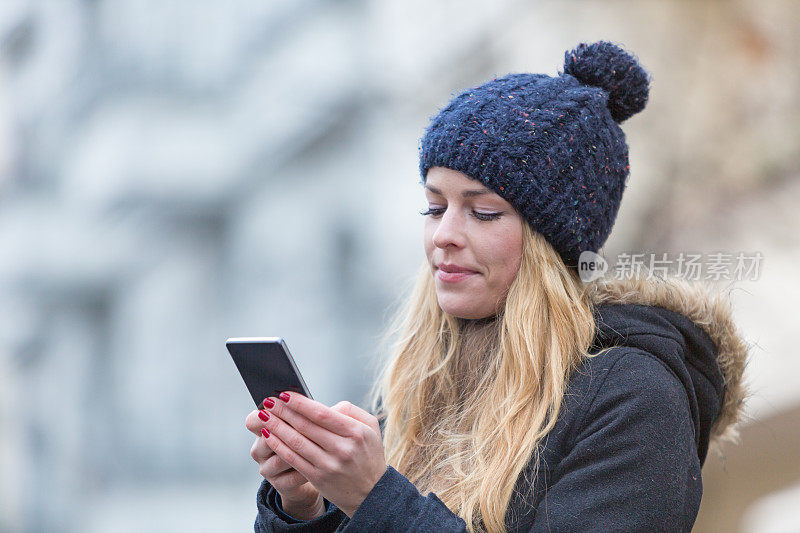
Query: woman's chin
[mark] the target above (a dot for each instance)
(462, 307)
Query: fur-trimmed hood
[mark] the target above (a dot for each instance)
(690, 327)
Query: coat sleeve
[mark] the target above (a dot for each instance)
(395, 505)
(632, 464)
(271, 518)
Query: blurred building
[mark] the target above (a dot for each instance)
(176, 173)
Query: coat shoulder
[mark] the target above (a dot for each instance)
(623, 378)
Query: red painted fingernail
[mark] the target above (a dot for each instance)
(263, 416)
(284, 396)
(269, 402)
(265, 432)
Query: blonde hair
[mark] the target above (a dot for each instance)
(467, 402)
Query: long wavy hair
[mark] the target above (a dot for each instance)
(465, 403)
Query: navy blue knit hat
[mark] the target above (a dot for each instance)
(551, 146)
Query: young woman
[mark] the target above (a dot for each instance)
(519, 397)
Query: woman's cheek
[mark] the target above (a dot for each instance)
(427, 238)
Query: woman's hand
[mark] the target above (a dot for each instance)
(299, 498)
(338, 449)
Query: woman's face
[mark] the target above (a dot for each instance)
(471, 227)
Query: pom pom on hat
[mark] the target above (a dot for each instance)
(606, 65)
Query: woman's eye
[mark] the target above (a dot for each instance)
(486, 216)
(433, 211)
(436, 211)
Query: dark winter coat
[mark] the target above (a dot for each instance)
(631, 436)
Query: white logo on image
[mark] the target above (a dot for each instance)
(591, 266)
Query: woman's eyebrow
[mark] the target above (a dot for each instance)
(466, 194)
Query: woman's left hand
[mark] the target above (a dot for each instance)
(338, 449)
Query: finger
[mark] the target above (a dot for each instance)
(279, 466)
(292, 446)
(319, 435)
(291, 479)
(320, 414)
(279, 474)
(274, 466)
(354, 411)
(253, 423)
(260, 450)
(262, 453)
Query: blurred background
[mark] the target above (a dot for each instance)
(173, 173)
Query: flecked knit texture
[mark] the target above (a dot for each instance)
(551, 146)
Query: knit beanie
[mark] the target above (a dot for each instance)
(550, 146)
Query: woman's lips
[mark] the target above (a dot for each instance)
(452, 277)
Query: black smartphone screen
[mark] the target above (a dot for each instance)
(266, 366)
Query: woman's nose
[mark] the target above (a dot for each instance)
(450, 230)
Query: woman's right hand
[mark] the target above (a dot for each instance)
(299, 498)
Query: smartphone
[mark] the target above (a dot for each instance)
(266, 366)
